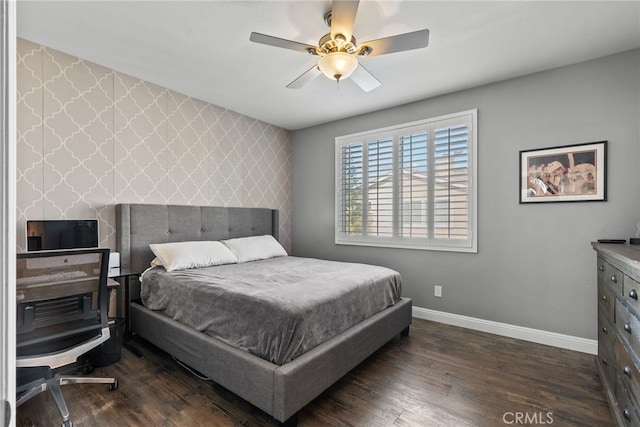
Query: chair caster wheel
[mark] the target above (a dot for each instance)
(113, 386)
(67, 423)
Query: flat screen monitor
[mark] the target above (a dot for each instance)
(46, 235)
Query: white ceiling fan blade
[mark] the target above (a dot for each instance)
(343, 15)
(305, 78)
(283, 43)
(407, 41)
(363, 78)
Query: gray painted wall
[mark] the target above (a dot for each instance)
(535, 266)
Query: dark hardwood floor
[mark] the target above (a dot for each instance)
(440, 375)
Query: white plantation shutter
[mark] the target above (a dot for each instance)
(451, 208)
(412, 185)
(379, 193)
(350, 203)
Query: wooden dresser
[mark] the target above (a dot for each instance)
(619, 329)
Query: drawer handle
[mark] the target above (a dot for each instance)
(613, 279)
(633, 294)
(604, 329)
(604, 298)
(604, 361)
(626, 414)
(627, 371)
(601, 267)
(627, 327)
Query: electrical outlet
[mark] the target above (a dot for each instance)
(437, 291)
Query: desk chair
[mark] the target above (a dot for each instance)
(61, 305)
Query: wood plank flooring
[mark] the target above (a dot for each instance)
(440, 375)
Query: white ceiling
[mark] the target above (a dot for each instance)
(202, 49)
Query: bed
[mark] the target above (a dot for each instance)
(280, 387)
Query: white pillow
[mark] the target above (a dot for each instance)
(182, 255)
(255, 247)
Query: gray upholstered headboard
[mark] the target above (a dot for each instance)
(138, 225)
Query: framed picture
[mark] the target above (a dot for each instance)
(571, 173)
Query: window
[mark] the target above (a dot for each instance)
(410, 186)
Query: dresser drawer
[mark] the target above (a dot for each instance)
(606, 301)
(629, 372)
(606, 357)
(628, 327)
(606, 331)
(609, 274)
(632, 292)
(626, 408)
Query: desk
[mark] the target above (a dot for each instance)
(126, 274)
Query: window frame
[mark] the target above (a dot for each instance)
(395, 132)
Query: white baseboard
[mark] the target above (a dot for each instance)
(528, 334)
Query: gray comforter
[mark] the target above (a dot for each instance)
(276, 309)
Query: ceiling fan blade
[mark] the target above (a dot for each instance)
(407, 41)
(305, 78)
(363, 78)
(343, 15)
(283, 43)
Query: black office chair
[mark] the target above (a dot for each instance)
(61, 304)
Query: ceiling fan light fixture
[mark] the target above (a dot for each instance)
(338, 65)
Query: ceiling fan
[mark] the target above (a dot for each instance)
(339, 51)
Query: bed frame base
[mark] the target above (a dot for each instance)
(280, 391)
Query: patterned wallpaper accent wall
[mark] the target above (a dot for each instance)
(90, 137)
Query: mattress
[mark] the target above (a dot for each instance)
(276, 309)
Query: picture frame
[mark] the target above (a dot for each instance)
(568, 173)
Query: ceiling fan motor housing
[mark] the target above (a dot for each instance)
(327, 44)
